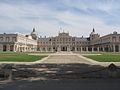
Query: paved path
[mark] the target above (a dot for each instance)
(69, 58)
(66, 58)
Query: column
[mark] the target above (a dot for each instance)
(1, 47)
(22, 48)
(119, 47)
(103, 49)
(14, 48)
(8, 47)
(81, 48)
(46, 49)
(108, 48)
(18, 49)
(75, 49)
(30, 49)
(98, 49)
(58, 49)
(40, 49)
(113, 47)
(52, 49)
(34, 47)
(92, 49)
(86, 49)
(68, 48)
(25, 48)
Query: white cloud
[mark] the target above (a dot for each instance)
(24, 17)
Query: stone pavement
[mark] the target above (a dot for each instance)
(69, 57)
(64, 59)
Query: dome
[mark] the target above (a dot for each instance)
(33, 32)
(93, 32)
(114, 32)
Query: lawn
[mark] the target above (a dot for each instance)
(106, 57)
(20, 57)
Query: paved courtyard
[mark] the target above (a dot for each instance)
(66, 58)
(70, 57)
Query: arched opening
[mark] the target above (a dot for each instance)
(116, 48)
(11, 47)
(64, 48)
(73, 49)
(4, 48)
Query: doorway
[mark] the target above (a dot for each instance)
(4, 48)
(64, 48)
(11, 47)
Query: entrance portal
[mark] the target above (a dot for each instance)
(11, 47)
(4, 48)
(64, 49)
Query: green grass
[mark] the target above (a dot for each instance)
(20, 57)
(38, 52)
(106, 57)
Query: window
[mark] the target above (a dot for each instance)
(69, 39)
(1, 38)
(60, 39)
(73, 39)
(66, 39)
(114, 39)
(13, 39)
(7, 39)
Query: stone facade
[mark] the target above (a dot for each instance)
(62, 42)
(65, 42)
(107, 43)
(17, 43)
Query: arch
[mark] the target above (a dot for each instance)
(4, 48)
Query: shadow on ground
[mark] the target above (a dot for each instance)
(59, 76)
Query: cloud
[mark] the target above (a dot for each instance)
(78, 17)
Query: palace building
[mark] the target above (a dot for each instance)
(62, 42)
(18, 42)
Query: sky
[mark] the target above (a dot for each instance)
(48, 17)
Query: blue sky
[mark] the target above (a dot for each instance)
(47, 16)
